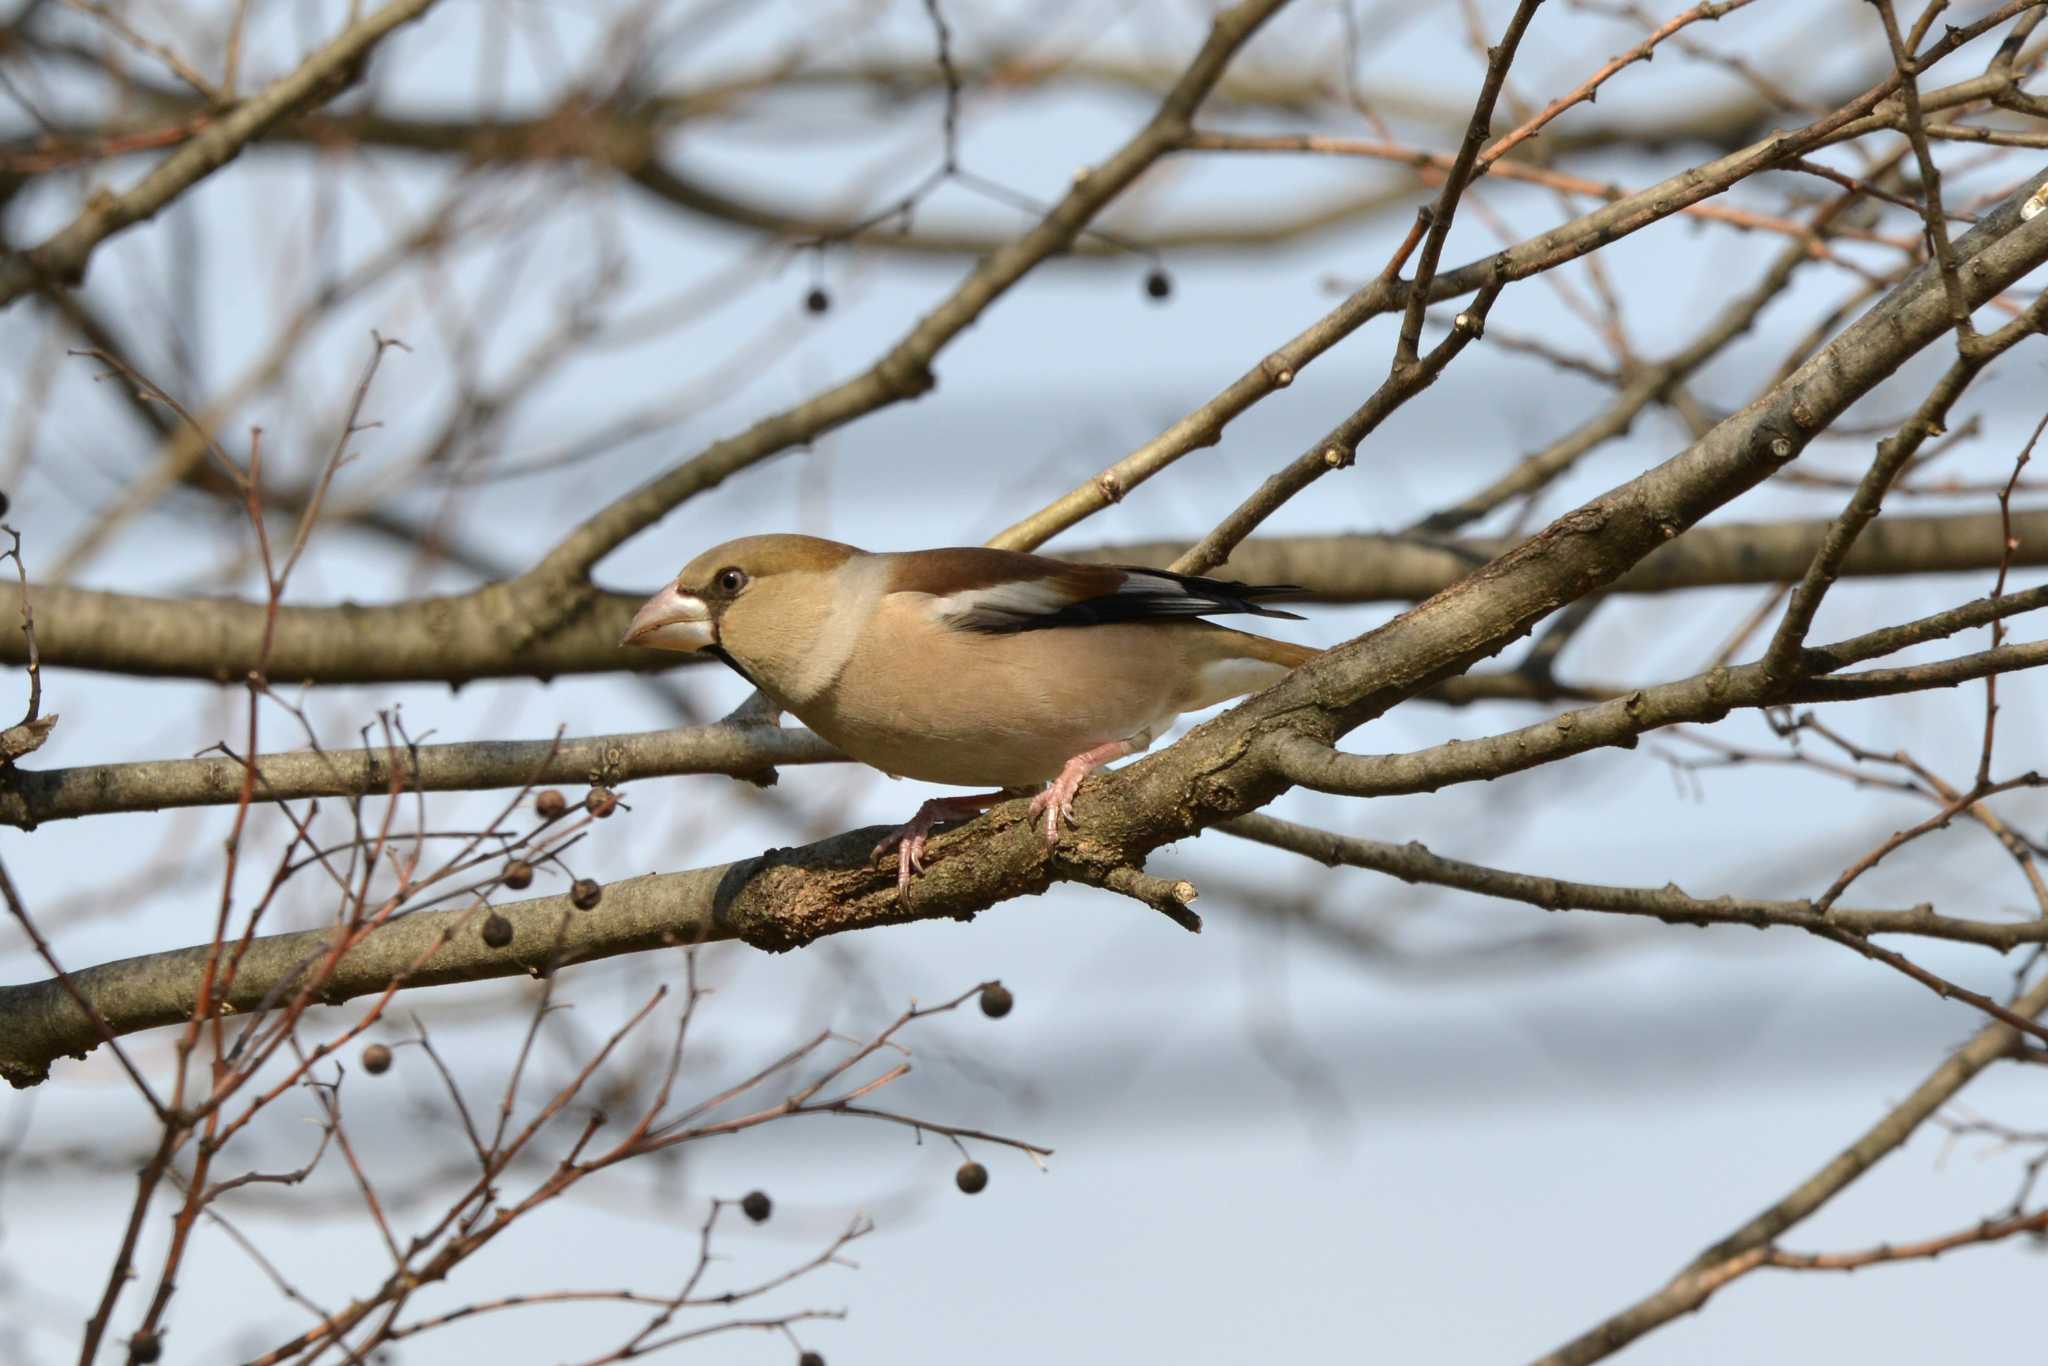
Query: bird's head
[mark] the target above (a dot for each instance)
(758, 598)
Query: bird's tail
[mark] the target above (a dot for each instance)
(1240, 662)
(1285, 653)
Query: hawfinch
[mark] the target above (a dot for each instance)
(984, 668)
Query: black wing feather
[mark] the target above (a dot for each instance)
(1176, 596)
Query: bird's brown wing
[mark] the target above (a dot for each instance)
(976, 589)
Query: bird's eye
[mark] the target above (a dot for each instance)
(731, 579)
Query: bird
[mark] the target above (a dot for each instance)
(967, 666)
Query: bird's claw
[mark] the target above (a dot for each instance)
(1056, 804)
(910, 838)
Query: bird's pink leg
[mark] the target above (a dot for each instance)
(908, 839)
(1057, 801)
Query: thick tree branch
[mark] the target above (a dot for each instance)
(43, 1021)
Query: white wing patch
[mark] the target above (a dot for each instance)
(1004, 604)
(1018, 604)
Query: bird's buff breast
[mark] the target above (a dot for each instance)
(989, 711)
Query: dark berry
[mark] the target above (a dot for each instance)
(600, 802)
(518, 875)
(972, 1178)
(757, 1206)
(497, 930)
(996, 1000)
(549, 803)
(376, 1059)
(584, 893)
(817, 301)
(1158, 284)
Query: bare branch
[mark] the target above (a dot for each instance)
(62, 257)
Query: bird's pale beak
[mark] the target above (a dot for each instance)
(672, 620)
